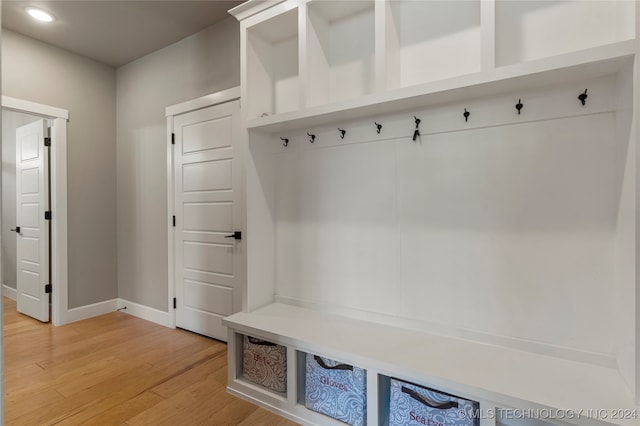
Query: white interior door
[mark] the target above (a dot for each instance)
(207, 186)
(32, 229)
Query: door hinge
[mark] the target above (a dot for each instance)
(47, 141)
(47, 215)
(173, 138)
(174, 221)
(175, 303)
(47, 288)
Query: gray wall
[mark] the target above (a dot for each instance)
(206, 62)
(38, 72)
(10, 122)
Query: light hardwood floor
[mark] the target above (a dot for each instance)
(117, 370)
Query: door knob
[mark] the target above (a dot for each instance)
(237, 235)
(16, 229)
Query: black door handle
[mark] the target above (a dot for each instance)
(16, 229)
(237, 235)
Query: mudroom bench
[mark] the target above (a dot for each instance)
(512, 386)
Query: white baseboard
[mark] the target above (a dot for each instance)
(9, 292)
(146, 313)
(93, 310)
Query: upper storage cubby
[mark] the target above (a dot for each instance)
(431, 40)
(340, 50)
(320, 58)
(529, 30)
(272, 66)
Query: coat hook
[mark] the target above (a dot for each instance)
(285, 142)
(466, 115)
(583, 97)
(342, 132)
(416, 133)
(378, 127)
(519, 106)
(417, 121)
(312, 138)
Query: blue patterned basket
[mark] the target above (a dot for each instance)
(415, 405)
(337, 390)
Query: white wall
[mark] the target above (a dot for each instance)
(11, 121)
(500, 226)
(206, 62)
(39, 72)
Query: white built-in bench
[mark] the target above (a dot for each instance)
(497, 377)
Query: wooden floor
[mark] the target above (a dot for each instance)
(117, 370)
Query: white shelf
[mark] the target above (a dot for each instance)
(272, 64)
(504, 376)
(340, 50)
(588, 63)
(529, 30)
(431, 40)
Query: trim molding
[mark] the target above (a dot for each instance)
(34, 108)
(145, 312)
(93, 310)
(60, 314)
(250, 8)
(204, 102)
(9, 292)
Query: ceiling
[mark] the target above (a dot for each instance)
(114, 32)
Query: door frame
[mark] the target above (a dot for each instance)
(170, 112)
(58, 188)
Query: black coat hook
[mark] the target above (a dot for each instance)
(466, 115)
(519, 106)
(285, 142)
(312, 138)
(416, 133)
(583, 97)
(342, 132)
(378, 127)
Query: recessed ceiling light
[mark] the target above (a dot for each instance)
(39, 14)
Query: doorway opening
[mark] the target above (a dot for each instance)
(20, 114)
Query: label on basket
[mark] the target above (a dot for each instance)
(415, 405)
(329, 382)
(265, 364)
(335, 389)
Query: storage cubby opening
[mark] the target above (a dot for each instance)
(331, 389)
(262, 365)
(272, 66)
(508, 231)
(529, 30)
(406, 402)
(340, 50)
(431, 40)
